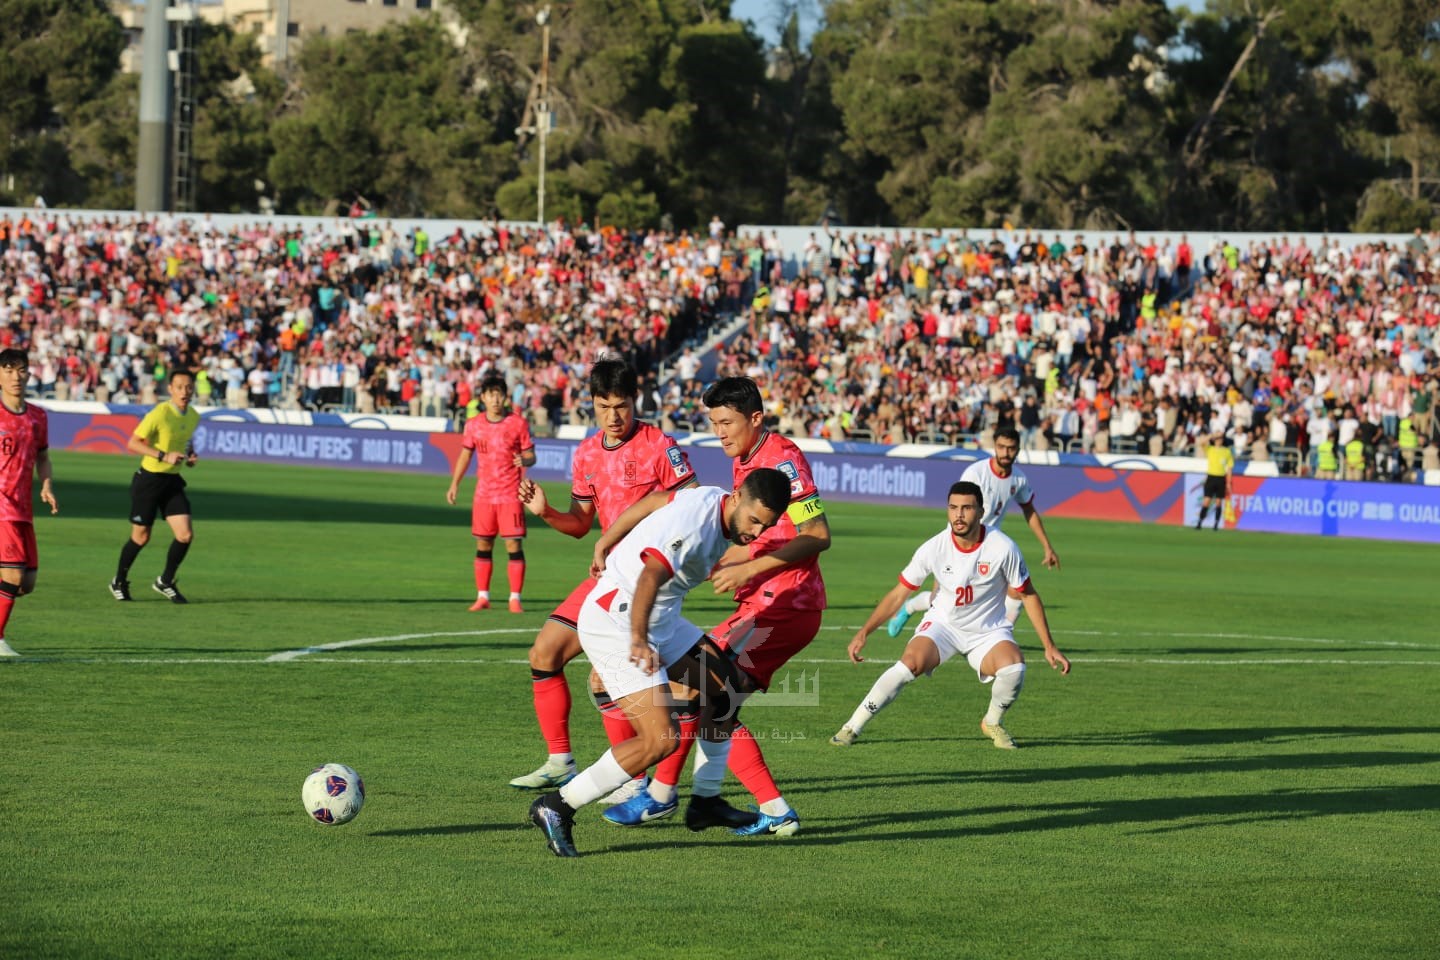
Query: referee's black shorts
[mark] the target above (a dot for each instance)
(1214, 487)
(152, 493)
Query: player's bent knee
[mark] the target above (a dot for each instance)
(553, 647)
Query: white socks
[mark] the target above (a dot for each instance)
(775, 808)
(886, 688)
(1012, 608)
(561, 760)
(711, 757)
(1008, 681)
(595, 781)
(918, 603)
(661, 792)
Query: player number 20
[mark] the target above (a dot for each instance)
(964, 595)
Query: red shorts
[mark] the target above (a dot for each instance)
(778, 634)
(505, 518)
(17, 545)
(568, 613)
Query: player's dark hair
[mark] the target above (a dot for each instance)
(770, 487)
(964, 488)
(1007, 433)
(14, 357)
(738, 393)
(180, 372)
(494, 382)
(613, 378)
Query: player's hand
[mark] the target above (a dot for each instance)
(1057, 660)
(48, 495)
(519, 461)
(1051, 561)
(856, 645)
(644, 656)
(730, 577)
(450, 496)
(191, 459)
(533, 496)
(597, 561)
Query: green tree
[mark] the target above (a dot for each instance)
(56, 56)
(400, 116)
(236, 100)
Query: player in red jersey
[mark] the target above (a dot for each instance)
(780, 596)
(611, 470)
(502, 448)
(24, 454)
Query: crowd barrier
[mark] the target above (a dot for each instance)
(1088, 486)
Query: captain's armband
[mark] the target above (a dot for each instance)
(805, 510)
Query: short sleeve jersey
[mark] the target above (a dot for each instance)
(22, 436)
(614, 478)
(687, 536)
(497, 479)
(970, 584)
(166, 428)
(998, 491)
(799, 586)
(1218, 460)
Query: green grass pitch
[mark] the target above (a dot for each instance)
(1245, 762)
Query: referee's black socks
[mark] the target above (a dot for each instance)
(128, 553)
(174, 558)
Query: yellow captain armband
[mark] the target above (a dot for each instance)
(804, 510)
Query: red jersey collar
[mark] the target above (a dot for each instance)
(634, 429)
(969, 549)
(764, 435)
(1002, 476)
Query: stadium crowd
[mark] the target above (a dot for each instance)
(1293, 352)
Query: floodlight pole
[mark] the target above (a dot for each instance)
(542, 107)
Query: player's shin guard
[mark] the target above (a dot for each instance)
(128, 553)
(173, 558)
(8, 593)
(601, 777)
(617, 725)
(483, 566)
(710, 765)
(886, 689)
(1008, 681)
(749, 767)
(552, 709)
(515, 570)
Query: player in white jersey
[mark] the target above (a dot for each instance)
(974, 568)
(632, 630)
(1000, 483)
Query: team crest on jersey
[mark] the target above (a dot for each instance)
(984, 569)
(630, 471)
(677, 461)
(788, 468)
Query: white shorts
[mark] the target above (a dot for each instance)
(605, 637)
(974, 646)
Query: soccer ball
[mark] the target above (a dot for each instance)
(333, 794)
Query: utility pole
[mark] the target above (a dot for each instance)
(152, 173)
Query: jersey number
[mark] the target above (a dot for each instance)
(964, 595)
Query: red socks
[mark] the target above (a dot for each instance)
(552, 709)
(749, 766)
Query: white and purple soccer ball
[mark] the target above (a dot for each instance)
(333, 794)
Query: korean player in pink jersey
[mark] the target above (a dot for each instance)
(502, 448)
(634, 632)
(974, 568)
(780, 599)
(24, 455)
(611, 470)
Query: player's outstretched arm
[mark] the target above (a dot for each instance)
(1032, 517)
(575, 522)
(623, 524)
(44, 470)
(462, 463)
(883, 611)
(1035, 610)
(811, 539)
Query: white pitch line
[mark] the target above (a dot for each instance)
(365, 641)
(1247, 636)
